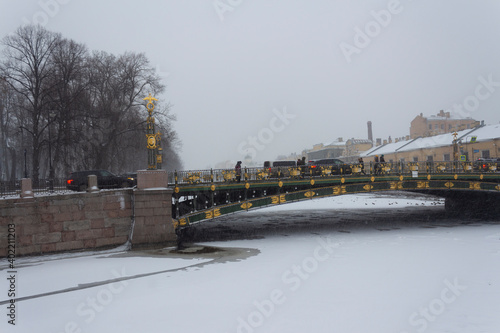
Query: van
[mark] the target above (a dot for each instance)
(279, 166)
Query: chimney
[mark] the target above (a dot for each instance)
(390, 139)
(379, 142)
(370, 133)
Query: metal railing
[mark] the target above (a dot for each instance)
(194, 177)
(347, 170)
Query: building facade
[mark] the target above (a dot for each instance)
(441, 123)
(479, 142)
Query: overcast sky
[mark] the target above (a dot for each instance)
(271, 77)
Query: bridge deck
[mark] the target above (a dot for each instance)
(204, 195)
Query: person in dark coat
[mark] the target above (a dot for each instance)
(376, 165)
(382, 163)
(362, 165)
(237, 170)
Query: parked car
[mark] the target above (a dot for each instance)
(327, 166)
(282, 166)
(131, 178)
(486, 164)
(78, 181)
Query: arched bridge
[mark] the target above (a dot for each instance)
(207, 194)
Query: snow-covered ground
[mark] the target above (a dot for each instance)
(366, 263)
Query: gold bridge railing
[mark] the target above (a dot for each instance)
(193, 177)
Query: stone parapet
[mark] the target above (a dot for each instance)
(86, 221)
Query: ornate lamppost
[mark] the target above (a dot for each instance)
(455, 146)
(52, 115)
(153, 139)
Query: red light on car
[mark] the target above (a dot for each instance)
(69, 181)
(313, 166)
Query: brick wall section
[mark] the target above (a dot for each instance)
(153, 217)
(83, 221)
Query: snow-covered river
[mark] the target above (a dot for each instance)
(366, 263)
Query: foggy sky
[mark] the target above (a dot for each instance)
(271, 77)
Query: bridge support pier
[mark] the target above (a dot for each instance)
(473, 204)
(152, 209)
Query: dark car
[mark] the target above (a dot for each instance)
(486, 164)
(78, 181)
(328, 166)
(131, 178)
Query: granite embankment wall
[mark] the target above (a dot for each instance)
(85, 221)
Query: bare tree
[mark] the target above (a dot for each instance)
(7, 144)
(117, 87)
(27, 69)
(70, 81)
(76, 110)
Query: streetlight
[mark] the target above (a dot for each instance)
(25, 165)
(51, 167)
(25, 153)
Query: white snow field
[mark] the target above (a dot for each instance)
(363, 263)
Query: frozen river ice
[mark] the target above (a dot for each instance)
(366, 263)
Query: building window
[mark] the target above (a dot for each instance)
(449, 127)
(436, 126)
(430, 158)
(446, 157)
(485, 154)
(430, 126)
(442, 126)
(415, 158)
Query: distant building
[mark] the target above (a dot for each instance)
(441, 123)
(348, 150)
(354, 147)
(481, 141)
(332, 150)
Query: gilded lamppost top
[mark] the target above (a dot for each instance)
(150, 106)
(153, 139)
